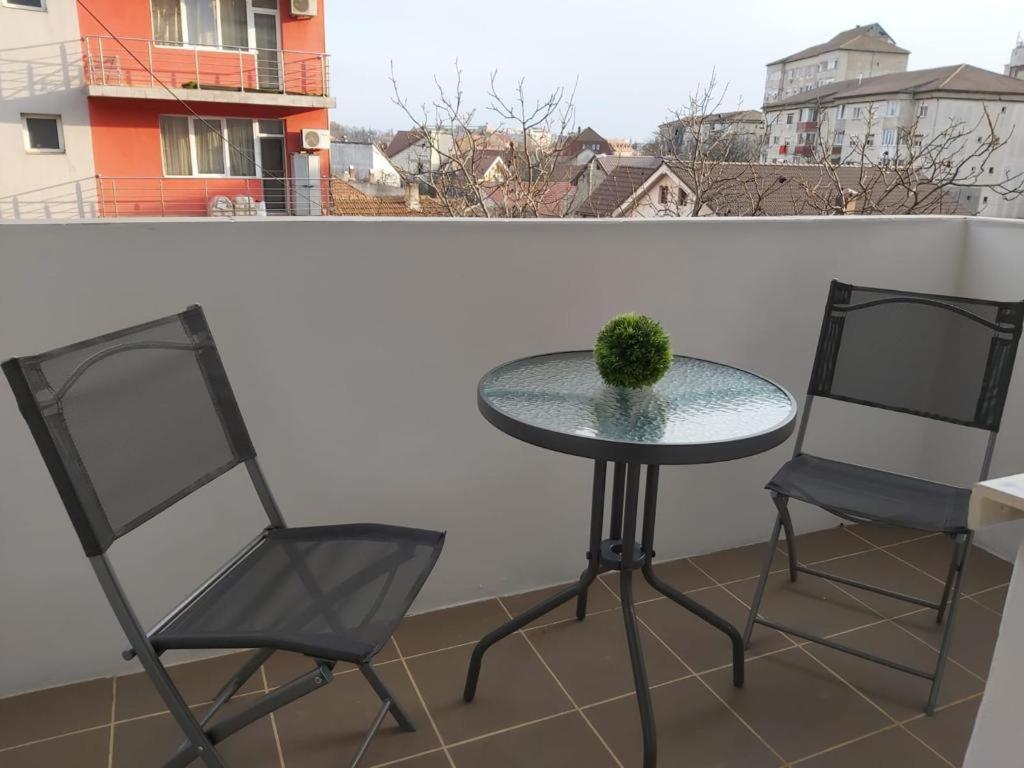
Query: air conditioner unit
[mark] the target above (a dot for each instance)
(315, 139)
(304, 9)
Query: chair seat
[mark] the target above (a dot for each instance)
(332, 592)
(862, 494)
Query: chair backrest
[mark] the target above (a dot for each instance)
(131, 422)
(941, 357)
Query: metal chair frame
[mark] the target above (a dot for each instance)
(946, 607)
(201, 737)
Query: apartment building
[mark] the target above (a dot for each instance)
(742, 128)
(861, 52)
(163, 107)
(1016, 66)
(882, 114)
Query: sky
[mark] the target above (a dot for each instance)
(634, 61)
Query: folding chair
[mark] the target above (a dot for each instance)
(134, 421)
(940, 357)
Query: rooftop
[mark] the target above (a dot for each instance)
(866, 37)
(952, 80)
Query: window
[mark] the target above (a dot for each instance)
(857, 112)
(208, 146)
(888, 137)
(923, 111)
(808, 114)
(43, 134)
(789, 118)
(839, 138)
(663, 194)
(32, 5)
(842, 111)
(214, 23)
(918, 139)
(834, 64)
(682, 197)
(869, 140)
(892, 109)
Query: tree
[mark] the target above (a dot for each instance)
(527, 134)
(915, 170)
(701, 146)
(340, 132)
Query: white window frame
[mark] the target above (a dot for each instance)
(250, 22)
(857, 112)
(27, 140)
(890, 133)
(226, 149)
(18, 6)
(922, 111)
(892, 109)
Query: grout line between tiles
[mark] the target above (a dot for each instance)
(565, 690)
(45, 739)
(113, 711)
(848, 742)
(409, 759)
(423, 702)
(273, 721)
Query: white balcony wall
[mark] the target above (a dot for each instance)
(355, 346)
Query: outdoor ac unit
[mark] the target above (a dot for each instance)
(315, 139)
(304, 8)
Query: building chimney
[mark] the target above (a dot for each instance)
(412, 196)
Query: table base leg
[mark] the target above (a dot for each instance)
(702, 613)
(520, 621)
(636, 658)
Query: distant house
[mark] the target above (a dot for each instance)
(633, 187)
(363, 161)
(587, 140)
(490, 165)
(416, 152)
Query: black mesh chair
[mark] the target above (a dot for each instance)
(940, 357)
(132, 422)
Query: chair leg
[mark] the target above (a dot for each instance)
(949, 584)
(401, 717)
(960, 559)
(782, 504)
(773, 543)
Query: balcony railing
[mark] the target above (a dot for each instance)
(803, 150)
(139, 62)
(118, 196)
(807, 126)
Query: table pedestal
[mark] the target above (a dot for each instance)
(619, 551)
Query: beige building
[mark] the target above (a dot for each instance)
(884, 115)
(1016, 66)
(860, 52)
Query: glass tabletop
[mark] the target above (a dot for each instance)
(700, 410)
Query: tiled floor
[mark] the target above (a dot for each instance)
(560, 693)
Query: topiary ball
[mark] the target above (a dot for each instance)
(632, 351)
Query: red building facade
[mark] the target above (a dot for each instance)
(208, 106)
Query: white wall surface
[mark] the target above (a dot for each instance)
(41, 72)
(355, 346)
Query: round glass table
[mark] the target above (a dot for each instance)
(700, 412)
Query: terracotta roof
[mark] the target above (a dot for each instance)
(867, 37)
(483, 159)
(402, 140)
(803, 190)
(956, 78)
(346, 200)
(622, 182)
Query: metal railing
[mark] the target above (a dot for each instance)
(141, 62)
(126, 196)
